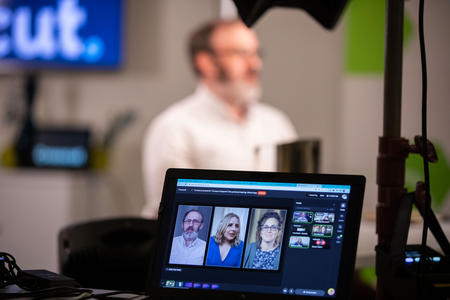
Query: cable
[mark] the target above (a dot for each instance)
(11, 273)
(424, 124)
(427, 206)
(9, 270)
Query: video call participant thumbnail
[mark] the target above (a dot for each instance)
(225, 247)
(303, 217)
(299, 242)
(324, 217)
(188, 248)
(265, 252)
(322, 230)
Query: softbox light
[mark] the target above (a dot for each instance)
(326, 12)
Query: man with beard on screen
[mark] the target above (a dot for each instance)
(188, 248)
(222, 125)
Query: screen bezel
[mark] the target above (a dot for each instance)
(351, 229)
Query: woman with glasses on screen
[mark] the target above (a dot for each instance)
(265, 252)
(225, 247)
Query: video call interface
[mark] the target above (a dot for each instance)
(280, 238)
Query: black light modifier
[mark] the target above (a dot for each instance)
(326, 12)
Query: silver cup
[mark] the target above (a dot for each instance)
(302, 156)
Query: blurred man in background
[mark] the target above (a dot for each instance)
(222, 125)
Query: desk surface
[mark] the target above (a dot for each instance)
(97, 292)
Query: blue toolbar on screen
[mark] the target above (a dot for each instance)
(61, 33)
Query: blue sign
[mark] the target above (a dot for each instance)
(61, 33)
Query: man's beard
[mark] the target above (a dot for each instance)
(242, 93)
(238, 91)
(190, 236)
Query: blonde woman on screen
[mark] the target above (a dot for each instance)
(225, 247)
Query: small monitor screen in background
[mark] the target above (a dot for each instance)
(59, 34)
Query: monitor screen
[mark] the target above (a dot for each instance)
(60, 148)
(59, 34)
(284, 238)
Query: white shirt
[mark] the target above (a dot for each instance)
(198, 132)
(192, 255)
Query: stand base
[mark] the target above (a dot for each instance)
(404, 277)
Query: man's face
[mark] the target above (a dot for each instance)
(192, 223)
(236, 59)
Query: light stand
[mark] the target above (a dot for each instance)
(24, 141)
(394, 279)
(392, 150)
